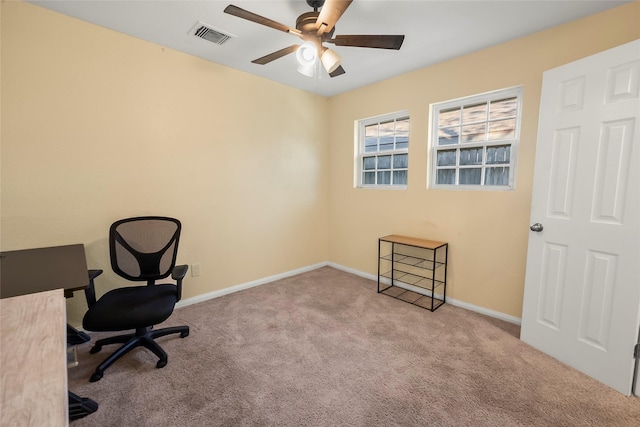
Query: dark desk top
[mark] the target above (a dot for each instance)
(42, 269)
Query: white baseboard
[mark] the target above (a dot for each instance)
(247, 285)
(485, 311)
(452, 301)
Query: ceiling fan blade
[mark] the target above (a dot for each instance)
(337, 72)
(331, 11)
(275, 55)
(250, 16)
(373, 41)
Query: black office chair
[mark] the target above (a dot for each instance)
(142, 249)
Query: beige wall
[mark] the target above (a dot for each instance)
(98, 126)
(487, 231)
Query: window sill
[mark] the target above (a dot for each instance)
(381, 187)
(472, 187)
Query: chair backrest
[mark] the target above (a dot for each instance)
(144, 248)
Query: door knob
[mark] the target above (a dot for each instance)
(537, 227)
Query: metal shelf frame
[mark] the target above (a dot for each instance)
(418, 286)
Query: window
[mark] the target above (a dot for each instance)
(383, 153)
(475, 141)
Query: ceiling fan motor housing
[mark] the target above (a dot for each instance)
(306, 23)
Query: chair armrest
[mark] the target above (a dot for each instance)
(90, 291)
(94, 273)
(178, 273)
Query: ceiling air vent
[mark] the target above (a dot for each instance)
(209, 33)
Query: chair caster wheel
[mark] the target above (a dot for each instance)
(184, 334)
(161, 364)
(95, 349)
(96, 377)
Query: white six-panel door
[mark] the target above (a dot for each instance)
(582, 287)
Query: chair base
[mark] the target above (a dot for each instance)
(142, 337)
(80, 406)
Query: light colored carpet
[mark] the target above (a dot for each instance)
(324, 349)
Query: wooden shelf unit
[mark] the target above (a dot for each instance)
(413, 270)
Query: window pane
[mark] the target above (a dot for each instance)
(402, 128)
(400, 161)
(387, 128)
(474, 113)
(503, 108)
(474, 133)
(384, 162)
(471, 156)
(400, 177)
(499, 155)
(402, 142)
(470, 176)
(496, 176)
(371, 131)
(448, 136)
(502, 129)
(449, 117)
(386, 143)
(369, 178)
(368, 163)
(370, 144)
(384, 178)
(402, 133)
(446, 176)
(446, 158)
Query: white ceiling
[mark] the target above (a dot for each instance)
(435, 31)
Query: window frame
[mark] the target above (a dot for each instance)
(361, 153)
(513, 143)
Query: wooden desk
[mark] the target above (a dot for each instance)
(33, 366)
(42, 269)
(33, 341)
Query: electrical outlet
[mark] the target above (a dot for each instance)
(195, 270)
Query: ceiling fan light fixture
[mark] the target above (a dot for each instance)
(307, 54)
(307, 70)
(330, 60)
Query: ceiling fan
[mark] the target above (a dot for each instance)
(316, 28)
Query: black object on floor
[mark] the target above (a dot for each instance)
(80, 406)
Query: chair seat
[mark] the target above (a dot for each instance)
(131, 308)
